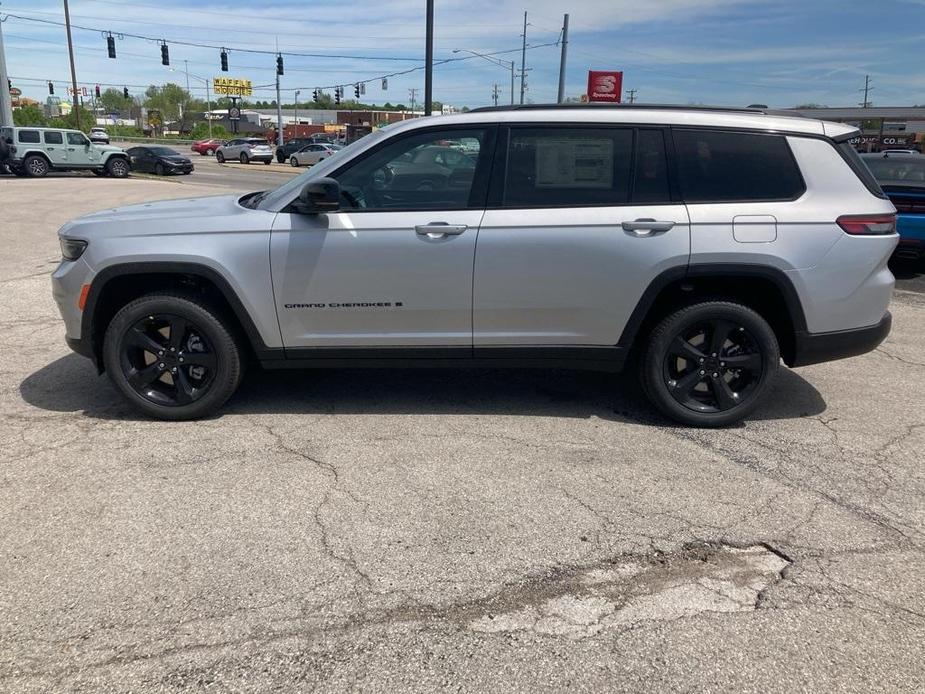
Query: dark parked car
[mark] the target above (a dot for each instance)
(159, 160)
(292, 146)
(902, 178)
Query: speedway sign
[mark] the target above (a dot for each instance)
(605, 85)
(232, 86)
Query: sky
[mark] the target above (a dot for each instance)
(723, 52)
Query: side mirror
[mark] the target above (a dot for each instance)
(319, 195)
(9, 140)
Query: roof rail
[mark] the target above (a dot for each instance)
(574, 105)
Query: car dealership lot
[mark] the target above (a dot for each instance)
(439, 529)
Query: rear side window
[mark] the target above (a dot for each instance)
(562, 167)
(858, 165)
(53, 137)
(715, 166)
(29, 136)
(651, 179)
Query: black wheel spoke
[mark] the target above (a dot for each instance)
(747, 362)
(685, 384)
(137, 337)
(185, 391)
(680, 347)
(206, 359)
(719, 335)
(140, 379)
(178, 328)
(725, 400)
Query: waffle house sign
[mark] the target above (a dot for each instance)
(232, 86)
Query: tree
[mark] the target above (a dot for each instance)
(201, 131)
(168, 100)
(85, 120)
(29, 115)
(812, 106)
(113, 101)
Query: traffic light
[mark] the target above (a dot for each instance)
(111, 46)
(356, 90)
(97, 91)
(385, 83)
(51, 87)
(125, 92)
(316, 94)
(224, 57)
(165, 54)
(279, 65)
(337, 95)
(362, 87)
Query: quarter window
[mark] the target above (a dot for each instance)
(426, 171)
(728, 167)
(29, 136)
(563, 167)
(53, 137)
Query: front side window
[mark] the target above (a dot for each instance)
(77, 139)
(716, 166)
(29, 136)
(53, 137)
(418, 172)
(563, 167)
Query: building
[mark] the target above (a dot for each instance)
(882, 127)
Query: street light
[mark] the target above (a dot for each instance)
(297, 92)
(497, 61)
(208, 96)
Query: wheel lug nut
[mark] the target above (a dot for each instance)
(715, 375)
(174, 349)
(701, 360)
(161, 365)
(160, 353)
(702, 372)
(181, 360)
(722, 363)
(173, 370)
(713, 355)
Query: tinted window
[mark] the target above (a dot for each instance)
(568, 166)
(53, 137)
(77, 139)
(897, 168)
(651, 180)
(726, 167)
(28, 135)
(416, 173)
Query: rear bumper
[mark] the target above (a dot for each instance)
(814, 348)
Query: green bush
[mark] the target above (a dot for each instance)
(30, 115)
(200, 131)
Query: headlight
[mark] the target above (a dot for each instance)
(72, 249)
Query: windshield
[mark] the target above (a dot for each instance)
(909, 168)
(279, 196)
(164, 152)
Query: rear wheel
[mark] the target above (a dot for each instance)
(710, 364)
(159, 169)
(244, 159)
(172, 357)
(35, 166)
(219, 157)
(267, 162)
(117, 167)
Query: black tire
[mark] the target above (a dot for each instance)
(244, 159)
(710, 364)
(268, 162)
(98, 172)
(280, 157)
(143, 361)
(159, 169)
(294, 162)
(117, 167)
(219, 157)
(35, 166)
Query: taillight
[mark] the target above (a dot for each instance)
(868, 225)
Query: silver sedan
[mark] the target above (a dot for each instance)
(312, 154)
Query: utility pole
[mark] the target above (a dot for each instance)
(494, 94)
(297, 92)
(412, 93)
(429, 61)
(279, 115)
(188, 93)
(867, 90)
(632, 93)
(70, 52)
(523, 61)
(562, 59)
(6, 103)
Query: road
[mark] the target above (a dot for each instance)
(447, 530)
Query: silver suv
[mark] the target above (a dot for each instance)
(36, 151)
(702, 246)
(245, 150)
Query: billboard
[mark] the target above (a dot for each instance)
(232, 86)
(605, 85)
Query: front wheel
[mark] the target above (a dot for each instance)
(710, 364)
(294, 162)
(159, 169)
(244, 159)
(172, 357)
(219, 157)
(117, 167)
(267, 162)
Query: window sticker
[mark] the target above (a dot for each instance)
(574, 163)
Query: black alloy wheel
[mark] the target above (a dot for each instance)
(172, 356)
(710, 363)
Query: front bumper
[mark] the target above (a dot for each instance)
(814, 348)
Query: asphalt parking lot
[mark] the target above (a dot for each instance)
(441, 530)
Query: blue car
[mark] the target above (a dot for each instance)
(902, 177)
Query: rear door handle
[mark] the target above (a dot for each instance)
(647, 227)
(439, 230)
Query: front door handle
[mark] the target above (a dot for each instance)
(647, 227)
(439, 230)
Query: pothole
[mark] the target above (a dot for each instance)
(635, 590)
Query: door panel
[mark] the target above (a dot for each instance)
(368, 279)
(569, 276)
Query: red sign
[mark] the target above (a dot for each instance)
(605, 85)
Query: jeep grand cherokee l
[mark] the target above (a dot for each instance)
(702, 246)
